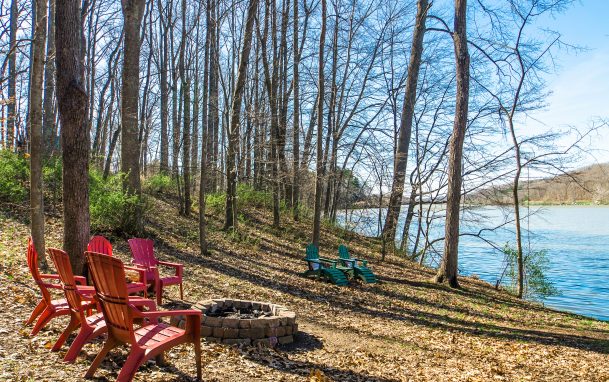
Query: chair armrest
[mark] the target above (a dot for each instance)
(178, 267)
(349, 262)
(364, 262)
(145, 302)
(49, 276)
(169, 313)
(142, 271)
(80, 280)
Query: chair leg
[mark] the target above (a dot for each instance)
(159, 293)
(44, 319)
(72, 325)
(110, 344)
(37, 310)
(84, 336)
(197, 343)
(135, 359)
(181, 292)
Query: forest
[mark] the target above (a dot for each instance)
(214, 126)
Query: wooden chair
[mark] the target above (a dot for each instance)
(91, 325)
(150, 340)
(142, 251)
(321, 267)
(100, 244)
(359, 266)
(47, 308)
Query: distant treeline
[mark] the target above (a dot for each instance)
(587, 185)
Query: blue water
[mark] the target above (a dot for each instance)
(576, 239)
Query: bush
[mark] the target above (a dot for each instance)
(536, 284)
(247, 196)
(14, 175)
(109, 204)
(159, 184)
(216, 202)
(51, 175)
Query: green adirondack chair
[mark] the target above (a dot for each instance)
(359, 266)
(320, 267)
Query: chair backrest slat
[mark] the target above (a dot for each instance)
(312, 252)
(100, 244)
(32, 263)
(343, 252)
(142, 251)
(64, 270)
(108, 276)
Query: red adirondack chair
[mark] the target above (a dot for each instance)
(150, 340)
(47, 308)
(100, 244)
(142, 251)
(92, 325)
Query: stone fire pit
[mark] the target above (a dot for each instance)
(244, 322)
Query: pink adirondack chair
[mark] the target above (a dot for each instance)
(150, 340)
(142, 251)
(101, 245)
(48, 308)
(92, 325)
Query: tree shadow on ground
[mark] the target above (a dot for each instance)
(401, 314)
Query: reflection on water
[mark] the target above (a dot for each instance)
(576, 239)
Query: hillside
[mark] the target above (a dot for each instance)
(404, 329)
(587, 185)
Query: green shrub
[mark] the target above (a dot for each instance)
(109, 204)
(216, 202)
(247, 196)
(536, 284)
(14, 174)
(159, 184)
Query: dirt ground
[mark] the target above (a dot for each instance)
(405, 328)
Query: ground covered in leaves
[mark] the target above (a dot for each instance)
(405, 328)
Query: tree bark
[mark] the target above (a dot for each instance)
(401, 156)
(320, 129)
(72, 101)
(296, 121)
(164, 88)
(12, 76)
(35, 120)
(49, 138)
(448, 268)
(233, 132)
(133, 11)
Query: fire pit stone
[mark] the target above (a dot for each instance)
(241, 322)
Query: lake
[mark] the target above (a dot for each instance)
(576, 239)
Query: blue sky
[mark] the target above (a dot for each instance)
(580, 83)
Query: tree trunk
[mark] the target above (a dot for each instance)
(72, 101)
(133, 11)
(401, 156)
(233, 132)
(35, 119)
(448, 268)
(164, 88)
(296, 126)
(12, 77)
(49, 138)
(186, 151)
(205, 136)
(320, 129)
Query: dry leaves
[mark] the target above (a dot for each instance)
(404, 329)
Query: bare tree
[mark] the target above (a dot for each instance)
(72, 101)
(233, 132)
(401, 156)
(35, 120)
(133, 11)
(448, 269)
(320, 128)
